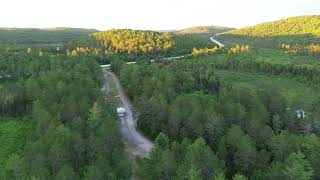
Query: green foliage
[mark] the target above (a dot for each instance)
(93, 173)
(204, 52)
(239, 177)
(184, 43)
(297, 168)
(42, 36)
(204, 30)
(95, 116)
(250, 127)
(133, 45)
(296, 30)
(313, 49)
(219, 176)
(303, 72)
(311, 148)
(159, 89)
(66, 173)
(284, 144)
(14, 167)
(296, 93)
(275, 171)
(14, 135)
(200, 157)
(239, 151)
(212, 51)
(289, 26)
(181, 161)
(74, 127)
(159, 165)
(131, 41)
(239, 49)
(211, 118)
(162, 141)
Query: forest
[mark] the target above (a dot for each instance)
(289, 26)
(313, 49)
(215, 113)
(206, 129)
(56, 128)
(301, 30)
(41, 36)
(135, 45)
(210, 30)
(125, 43)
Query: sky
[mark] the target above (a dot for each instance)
(149, 14)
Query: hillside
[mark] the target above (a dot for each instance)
(295, 30)
(130, 44)
(290, 26)
(204, 30)
(41, 36)
(133, 41)
(238, 112)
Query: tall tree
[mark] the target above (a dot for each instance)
(297, 167)
(311, 147)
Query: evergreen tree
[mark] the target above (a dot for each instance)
(297, 167)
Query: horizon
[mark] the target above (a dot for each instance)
(91, 28)
(142, 15)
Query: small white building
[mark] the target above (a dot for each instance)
(121, 111)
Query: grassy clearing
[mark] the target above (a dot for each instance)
(267, 55)
(279, 56)
(297, 93)
(14, 135)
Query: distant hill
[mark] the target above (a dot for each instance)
(137, 43)
(127, 43)
(164, 31)
(289, 26)
(295, 30)
(204, 30)
(42, 36)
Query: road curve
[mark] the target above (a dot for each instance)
(217, 42)
(138, 145)
(152, 60)
(172, 58)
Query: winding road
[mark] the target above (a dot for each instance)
(137, 144)
(176, 57)
(216, 41)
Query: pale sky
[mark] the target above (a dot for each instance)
(149, 14)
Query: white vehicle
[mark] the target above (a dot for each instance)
(121, 111)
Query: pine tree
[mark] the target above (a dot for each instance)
(297, 167)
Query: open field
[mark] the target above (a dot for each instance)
(297, 93)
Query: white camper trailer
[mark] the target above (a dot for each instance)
(121, 111)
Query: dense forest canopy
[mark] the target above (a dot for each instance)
(210, 129)
(236, 112)
(41, 36)
(301, 30)
(133, 45)
(68, 130)
(291, 26)
(130, 41)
